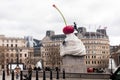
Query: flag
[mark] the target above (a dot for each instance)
(99, 26)
(105, 27)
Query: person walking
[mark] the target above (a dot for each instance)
(8, 71)
(30, 73)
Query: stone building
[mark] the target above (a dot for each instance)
(50, 50)
(96, 43)
(13, 47)
(34, 50)
(97, 48)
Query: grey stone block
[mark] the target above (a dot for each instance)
(74, 64)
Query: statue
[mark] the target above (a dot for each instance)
(72, 51)
(72, 45)
(39, 64)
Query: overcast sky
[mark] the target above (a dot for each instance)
(19, 18)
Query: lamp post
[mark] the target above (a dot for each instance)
(17, 54)
(111, 64)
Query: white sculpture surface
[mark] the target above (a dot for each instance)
(72, 51)
(72, 46)
(39, 64)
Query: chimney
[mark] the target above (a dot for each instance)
(50, 33)
(103, 31)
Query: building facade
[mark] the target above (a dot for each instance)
(33, 46)
(97, 48)
(50, 50)
(15, 48)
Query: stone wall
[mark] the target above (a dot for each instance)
(74, 64)
(69, 76)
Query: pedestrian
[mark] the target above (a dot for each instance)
(17, 71)
(8, 71)
(35, 68)
(29, 72)
(39, 68)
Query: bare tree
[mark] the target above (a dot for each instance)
(2, 56)
(104, 63)
(53, 58)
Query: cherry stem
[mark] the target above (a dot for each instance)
(60, 14)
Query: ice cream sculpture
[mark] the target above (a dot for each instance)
(71, 45)
(72, 50)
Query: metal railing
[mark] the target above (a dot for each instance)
(51, 75)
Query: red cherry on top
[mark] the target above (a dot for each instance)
(68, 29)
(54, 5)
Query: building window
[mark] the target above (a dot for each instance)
(103, 52)
(103, 57)
(25, 55)
(15, 45)
(98, 62)
(87, 62)
(20, 60)
(12, 50)
(7, 60)
(7, 49)
(7, 45)
(3, 41)
(7, 55)
(11, 55)
(11, 40)
(95, 62)
(16, 54)
(103, 47)
(86, 57)
(92, 62)
(92, 56)
(11, 60)
(20, 55)
(20, 50)
(7, 41)
(11, 45)
(16, 41)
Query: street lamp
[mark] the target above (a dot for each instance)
(111, 64)
(17, 54)
(17, 60)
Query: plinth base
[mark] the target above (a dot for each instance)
(74, 64)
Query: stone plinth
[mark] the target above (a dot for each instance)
(74, 64)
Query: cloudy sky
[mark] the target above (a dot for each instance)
(19, 18)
